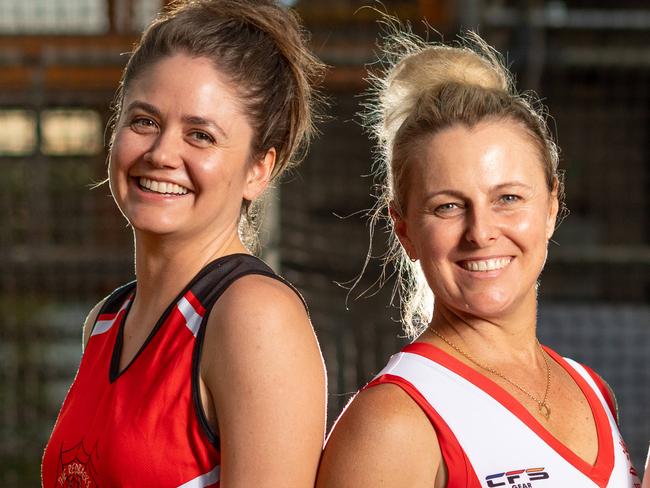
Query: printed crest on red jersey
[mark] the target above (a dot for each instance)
(75, 468)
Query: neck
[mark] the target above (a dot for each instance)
(164, 265)
(506, 339)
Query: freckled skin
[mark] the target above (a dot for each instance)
(481, 193)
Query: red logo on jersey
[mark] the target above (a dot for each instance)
(75, 468)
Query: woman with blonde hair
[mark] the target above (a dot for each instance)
(472, 188)
(205, 370)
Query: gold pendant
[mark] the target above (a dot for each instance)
(545, 410)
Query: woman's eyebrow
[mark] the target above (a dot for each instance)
(205, 122)
(187, 119)
(147, 107)
(461, 195)
(510, 184)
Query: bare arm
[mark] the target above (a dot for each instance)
(263, 369)
(383, 439)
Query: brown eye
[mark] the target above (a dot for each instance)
(143, 124)
(201, 138)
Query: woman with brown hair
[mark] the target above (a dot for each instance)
(205, 369)
(473, 192)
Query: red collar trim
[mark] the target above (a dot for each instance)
(601, 470)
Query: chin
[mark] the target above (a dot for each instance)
(153, 228)
(487, 306)
(501, 305)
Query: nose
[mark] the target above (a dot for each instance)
(164, 151)
(481, 226)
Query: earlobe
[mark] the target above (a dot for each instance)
(401, 231)
(259, 175)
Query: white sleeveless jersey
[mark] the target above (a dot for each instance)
(488, 439)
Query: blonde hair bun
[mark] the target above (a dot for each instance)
(424, 69)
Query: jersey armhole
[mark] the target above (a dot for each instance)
(202, 418)
(460, 473)
(606, 391)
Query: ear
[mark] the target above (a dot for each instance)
(401, 231)
(259, 175)
(553, 210)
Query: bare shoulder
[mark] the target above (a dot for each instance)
(257, 307)
(263, 295)
(90, 321)
(263, 370)
(260, 324)
(382, 438)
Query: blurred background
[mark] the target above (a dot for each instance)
(63, 245)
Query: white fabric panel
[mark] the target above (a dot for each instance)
(621, 475)
(494, 439)
(192, 317)
(102, 326)
(206, 479)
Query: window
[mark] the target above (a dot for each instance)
(72, 16)
(53, 16)
(17, 133)
(70, 132)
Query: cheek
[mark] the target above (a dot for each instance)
(208, 171)
(122, 152)
(435, 243)
(117, 189)
(119, 161)
(530, 227)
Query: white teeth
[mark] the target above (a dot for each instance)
(162, 187)
(486, 265)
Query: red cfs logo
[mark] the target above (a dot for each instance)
(519, 478)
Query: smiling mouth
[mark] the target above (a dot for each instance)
(486, 264)
(161, 187)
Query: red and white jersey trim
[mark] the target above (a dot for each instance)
(105, 322)
(622, 461)
(192, 312)
(208, 479)
(496, 434)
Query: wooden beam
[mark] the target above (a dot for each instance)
(33, 46)
(107, 78)
(90, 78)
(86, 78)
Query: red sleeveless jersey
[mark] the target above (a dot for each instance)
(143, 426)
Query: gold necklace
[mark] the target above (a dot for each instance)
(544, 409)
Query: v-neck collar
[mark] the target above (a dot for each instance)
(599, 472)
(114, 369)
